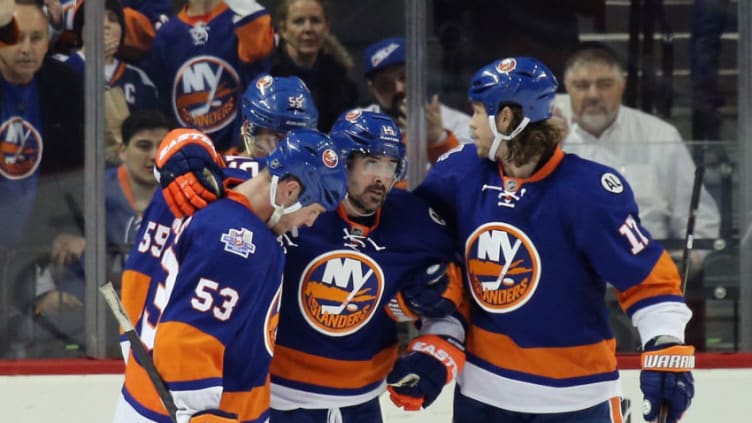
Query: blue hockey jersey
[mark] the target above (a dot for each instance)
(201, 66)
(336, 343)
(217, 310)
(537, 255)
(154, 235)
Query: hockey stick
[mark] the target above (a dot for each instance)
(338, 309)
(111, 297)
(689, 237)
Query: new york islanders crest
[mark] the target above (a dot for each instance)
(204, 93)
(503, 267)
(339, 291)
(21, 148)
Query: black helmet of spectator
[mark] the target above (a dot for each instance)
(109, 5)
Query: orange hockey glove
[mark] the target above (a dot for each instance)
(189, 170)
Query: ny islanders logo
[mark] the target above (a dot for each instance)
(21, 148)
(503, 267)
(272, 321)
(506, 65)
(339, 292)
(205, 92)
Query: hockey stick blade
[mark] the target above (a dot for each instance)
(139, 351)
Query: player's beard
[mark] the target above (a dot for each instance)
(369, 200)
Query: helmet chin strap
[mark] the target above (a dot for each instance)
(279, 210)
(498, 137)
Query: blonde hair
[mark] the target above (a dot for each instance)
(331, 46)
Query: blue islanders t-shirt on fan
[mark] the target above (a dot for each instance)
(21, 146)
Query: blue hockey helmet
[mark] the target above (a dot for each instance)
(521, 81)
(311, 157)
(279, 104)
(370, 133)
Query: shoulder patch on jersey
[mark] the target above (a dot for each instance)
(239, 241)
(612, 183)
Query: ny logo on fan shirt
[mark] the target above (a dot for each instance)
(339, 291)
(204, 93)
(503, 267)
(21, 148)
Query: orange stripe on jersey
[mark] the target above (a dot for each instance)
(255, 39)
(141, 388)
(208, 17)
(344, 374)
(455, 289)
(200, 355)
(663, 280)
(133, 291)
(615, 404)
(139, 32)
(556, 363)
(248, 405)
(464, 307)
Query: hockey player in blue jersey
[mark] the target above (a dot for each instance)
(337, 337)
(542, 232)
(216, 310)
(268, 114)
(381, 257)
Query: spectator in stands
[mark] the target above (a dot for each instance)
(143, 18)
(129, 188)
(128, 88)
(202, 59)
(660, 171)
(308, 50)
(646, 150)
(385, 70)
(42, 113)
(62, 38)
(42, 147)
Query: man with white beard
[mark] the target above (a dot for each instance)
(648, 151)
